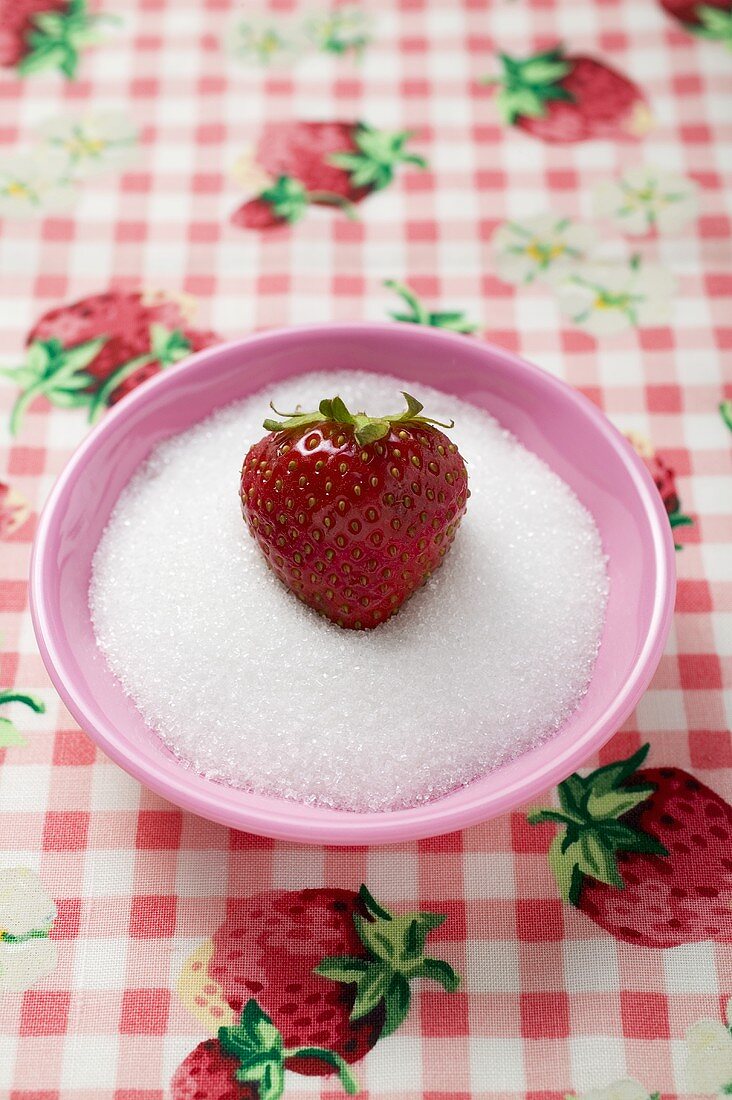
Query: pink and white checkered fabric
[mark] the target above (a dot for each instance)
(550, 1003)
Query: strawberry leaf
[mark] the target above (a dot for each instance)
(56, 39)
(725, 411)
(373, 986)
(394, 957)
(419, 315)
(52, 371)
(288, 199)
(258, 1047)
(168, 345)
(592, 811)
(398, 999)
(10, 734)
(529, 84)
(714, 23)
(378, 153)
(565, 869)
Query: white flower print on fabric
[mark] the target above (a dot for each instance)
(262, 41)
(543, 247)
(646, 198)
(709, 1060)
(27, 913)
(607, 297)
(34, 184)
(340, 31)
(91, 144)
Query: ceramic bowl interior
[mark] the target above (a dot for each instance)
(547, 416)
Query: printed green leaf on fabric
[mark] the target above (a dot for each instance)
(57, 38)
(50, 370)
(590, 813)
(395, 947)
(418, 314)
(259, 1049)
(376, 158)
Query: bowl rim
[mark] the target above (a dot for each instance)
(282, 819)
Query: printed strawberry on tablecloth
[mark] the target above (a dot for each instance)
(304, 980)
(320, 164)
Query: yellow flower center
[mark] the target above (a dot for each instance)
(82, 146)
(17, 190)
(544, 253)
(269, 43)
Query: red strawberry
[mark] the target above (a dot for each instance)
(325, 163)
(563, 98)
(208, 1073)
(45, 34)
(664, 478)
(94, 351)
(707, 18)
(14, 510)
(645, 854)
(248, 1062)
(331, 967)
(354, 513)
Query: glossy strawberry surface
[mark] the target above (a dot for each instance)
(354, 529)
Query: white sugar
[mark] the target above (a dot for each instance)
(250, 687)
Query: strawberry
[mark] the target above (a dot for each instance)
(418, 314)
(353, 513)
(332, 968)
(562, 98)
(709, 19)
(45, 34)
(14, 510)
(9, 732)
(322, 163)
(656, 834)
(248, 1062)
(664, 478)
(94, 351)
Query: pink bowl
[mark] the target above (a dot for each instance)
(545, 414)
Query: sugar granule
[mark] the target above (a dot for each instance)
(251, 688)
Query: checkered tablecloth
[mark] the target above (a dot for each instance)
(551, 1003)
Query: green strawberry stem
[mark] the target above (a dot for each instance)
(528, 85)
(31, 701)
(367, 428)
(167, 346)
(378, 153)
(289, 200)
(420, 315)
(258, 1047)
(56, 38)
(55, 372)
(35, 934)
(329, 198)
(99, 401)
(395, 956)
(678, 519)
(591, 814)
